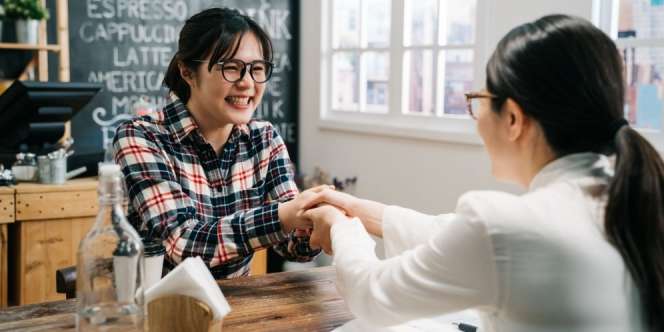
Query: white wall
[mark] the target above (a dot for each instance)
(422, 174)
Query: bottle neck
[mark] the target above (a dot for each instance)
(110, 190)
(111, 198)
(110, 212)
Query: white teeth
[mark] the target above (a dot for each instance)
(238, 100)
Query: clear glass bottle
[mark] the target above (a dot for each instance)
(110, 270)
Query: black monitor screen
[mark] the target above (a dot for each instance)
(33, 114)
(23, 99)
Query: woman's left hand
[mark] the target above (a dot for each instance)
(323, 217)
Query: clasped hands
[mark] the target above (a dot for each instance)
(319, 208)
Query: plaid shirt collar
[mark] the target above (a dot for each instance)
(181, 123)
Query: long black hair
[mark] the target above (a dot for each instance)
(568, 75)
(216, 32)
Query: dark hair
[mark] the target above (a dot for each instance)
(216, 32)
(568, 75)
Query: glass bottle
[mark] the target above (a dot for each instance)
(110, 270)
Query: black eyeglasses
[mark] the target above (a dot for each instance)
(233, 70)
(472, 100)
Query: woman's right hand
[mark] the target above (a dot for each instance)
(369, 212)
(291, 212)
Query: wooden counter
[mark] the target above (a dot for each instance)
(7, 215)
(290, 301)
(50, 222)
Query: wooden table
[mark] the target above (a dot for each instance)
(290, 301)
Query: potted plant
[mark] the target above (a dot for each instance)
(26, 14)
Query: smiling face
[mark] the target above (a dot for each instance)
(218, 102)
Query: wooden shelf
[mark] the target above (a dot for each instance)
(34, 47)
(42, 47)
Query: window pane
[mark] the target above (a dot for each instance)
(457, 24)
(645, 92)
(455, 75)
(375, 67)
(419, 22)
(376, 21)
(345, 91)
(641, 19)
(346, 23)
(418, 77)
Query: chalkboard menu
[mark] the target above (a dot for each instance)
(127, 45)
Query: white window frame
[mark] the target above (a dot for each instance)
(605, 16)
(451, 128)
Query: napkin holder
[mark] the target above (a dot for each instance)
(174, 313)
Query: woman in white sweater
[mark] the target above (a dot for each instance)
(582, 250)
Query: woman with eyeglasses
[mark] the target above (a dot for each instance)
(203, 177)
(582, 250)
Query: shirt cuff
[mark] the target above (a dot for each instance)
(350, 238)
(266, 229)
(393, 219)
(353, 248)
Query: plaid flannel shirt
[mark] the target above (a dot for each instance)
(188, 201)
